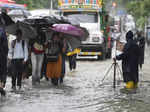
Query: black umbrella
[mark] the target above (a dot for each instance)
(28, 31)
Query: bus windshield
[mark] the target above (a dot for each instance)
(82, 17)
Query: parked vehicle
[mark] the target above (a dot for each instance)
(89, 15)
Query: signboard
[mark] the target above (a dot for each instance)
(80, 4)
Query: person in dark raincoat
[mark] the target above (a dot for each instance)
(3, 51)
(130, 57)
(141, 43)
(3, 59)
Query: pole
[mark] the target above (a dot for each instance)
(115, 63)
(51, 7)
(114, 83)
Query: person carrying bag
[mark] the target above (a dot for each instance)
(54, 59)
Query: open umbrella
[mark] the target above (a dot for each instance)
(28, 31)
(73, 34)
(74, 42)
(69, 29)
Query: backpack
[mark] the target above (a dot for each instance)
(52, 52)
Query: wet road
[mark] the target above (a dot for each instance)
(82, 91)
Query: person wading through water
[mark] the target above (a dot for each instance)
(4, 20)
(18, 55)
(3, 60)
(130, 57)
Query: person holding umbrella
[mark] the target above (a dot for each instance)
(69, 33)
(54, 58)
(18, 55)
(37, 49)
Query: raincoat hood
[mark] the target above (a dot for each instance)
(129, 35)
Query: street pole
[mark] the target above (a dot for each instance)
(51, 7)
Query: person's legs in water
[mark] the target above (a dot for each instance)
(34, 68)
(127, 77)
(44, 66)
(70, 62)
(14, 77)
(4, 72)
(140, 66)
(40, 58)
(129, 85)
(2, 91)
(63, 69)
(74, 62)
(55, 81)
(19, 80)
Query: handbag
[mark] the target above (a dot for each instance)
(52, 53)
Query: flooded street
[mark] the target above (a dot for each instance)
(82, 91)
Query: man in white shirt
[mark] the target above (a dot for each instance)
(18, 53)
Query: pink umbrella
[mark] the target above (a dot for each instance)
(69, 30)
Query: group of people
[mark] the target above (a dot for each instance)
(47, 55)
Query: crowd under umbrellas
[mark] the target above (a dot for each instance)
(49, 24)
(32, 27)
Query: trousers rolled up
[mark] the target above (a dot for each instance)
(37, 61)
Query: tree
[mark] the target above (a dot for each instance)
(27, 2)
(36, 4)
(140, 11)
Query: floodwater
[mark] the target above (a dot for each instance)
(82, 91)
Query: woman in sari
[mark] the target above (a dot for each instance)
(54, 59)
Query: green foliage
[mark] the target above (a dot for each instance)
(140, 10)
(34, 4)
(28, 2)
